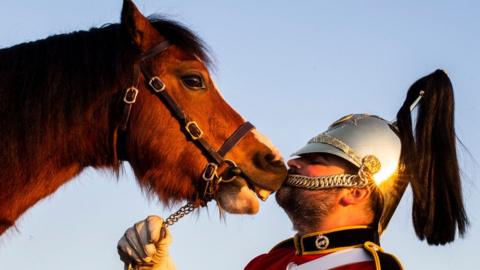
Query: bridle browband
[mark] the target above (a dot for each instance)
(218, 169)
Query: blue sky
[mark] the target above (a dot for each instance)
(291, 69)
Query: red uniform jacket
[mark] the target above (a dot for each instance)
(302, 249)
(279, 258)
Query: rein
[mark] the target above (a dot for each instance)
(219, 169)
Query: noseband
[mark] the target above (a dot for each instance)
(218, 169)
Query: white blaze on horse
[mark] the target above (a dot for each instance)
(136, 92)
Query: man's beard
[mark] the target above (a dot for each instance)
(306, 209)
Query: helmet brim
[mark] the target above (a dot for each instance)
(312, 148)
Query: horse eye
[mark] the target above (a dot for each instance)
(193, 81)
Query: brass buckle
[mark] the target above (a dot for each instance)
(210, 172)
(210, 190)
(156, 84)
(194, 130)
(130, 95)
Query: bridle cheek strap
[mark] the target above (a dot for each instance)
(235, 138)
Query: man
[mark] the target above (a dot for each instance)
(344, 186)
(333, 204)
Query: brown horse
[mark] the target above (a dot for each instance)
(64, 106)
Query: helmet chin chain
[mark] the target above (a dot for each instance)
(370, 166)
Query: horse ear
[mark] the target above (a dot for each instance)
(141, 32)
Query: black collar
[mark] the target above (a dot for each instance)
(330, 241)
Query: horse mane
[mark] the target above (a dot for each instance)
(52, 82)
(56, 101)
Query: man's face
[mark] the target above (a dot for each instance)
(317, 165)
(309, 207)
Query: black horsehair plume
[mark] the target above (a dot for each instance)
(429, 160)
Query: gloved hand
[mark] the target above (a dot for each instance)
(145, 246)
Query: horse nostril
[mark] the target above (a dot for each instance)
(269, 157)
(273, 160)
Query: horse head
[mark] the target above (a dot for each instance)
(166, 160)
(139, 92)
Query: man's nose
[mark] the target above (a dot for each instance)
(294, 165)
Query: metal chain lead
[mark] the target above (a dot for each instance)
(183, 211)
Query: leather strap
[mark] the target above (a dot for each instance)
(129, 99)
(235, 138)
(160, 47)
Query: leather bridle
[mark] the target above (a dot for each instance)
(219, 169)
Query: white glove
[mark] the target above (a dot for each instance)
(145, 246)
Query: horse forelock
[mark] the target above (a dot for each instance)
(183, 37)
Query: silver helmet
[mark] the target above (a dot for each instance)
(367, 141)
